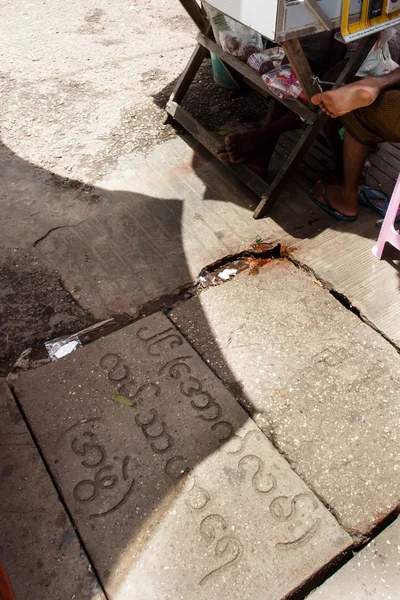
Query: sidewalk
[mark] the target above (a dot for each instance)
(239, 441)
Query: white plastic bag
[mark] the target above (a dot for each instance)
(379, 61)
(241, 41)
(233, 37)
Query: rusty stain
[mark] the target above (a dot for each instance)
(260, 248)
(287, 250)
(256, 263)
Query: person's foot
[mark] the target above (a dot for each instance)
(258, 160)
(338, 200)
(347, 98)
(239, 145)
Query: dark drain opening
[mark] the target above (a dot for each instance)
(250, 260)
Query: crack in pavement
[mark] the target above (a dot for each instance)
(43, 237)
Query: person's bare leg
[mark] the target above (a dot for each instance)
(250, 140)
(343, 100)
(238, 146)
(344, 198)
(258, 160)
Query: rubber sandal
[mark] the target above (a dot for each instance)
(374, 199)
(328, 208)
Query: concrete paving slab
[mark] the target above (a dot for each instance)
(372, 573)
(372, 285)
(162, 223)
(179, 495)
(322, 385)
(38, 545)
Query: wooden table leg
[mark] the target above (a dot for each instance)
(200, 19)
(185, 80)
(196, 14)
(304, 143)
(300, 65)
(189, 73)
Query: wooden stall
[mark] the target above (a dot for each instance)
(283, 22)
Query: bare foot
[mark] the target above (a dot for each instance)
(337, 199)
(258, 160)
(347, 98)
(239, 145)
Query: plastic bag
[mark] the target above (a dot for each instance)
(265, 61)
(219, 22)
(241, 41)
(260, 63)
(276, 54)
(379, 61)
(284, 83)
(233, 37)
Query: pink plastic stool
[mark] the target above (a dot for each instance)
(388, 232)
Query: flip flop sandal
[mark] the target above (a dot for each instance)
(375, 199)
(329, 209)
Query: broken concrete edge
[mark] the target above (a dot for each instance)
(263, 249)
(258, 251)
(83, 547)
(339, 296)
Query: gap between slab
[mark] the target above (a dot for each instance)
(255, 256)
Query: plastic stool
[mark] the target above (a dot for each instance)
(388, 232)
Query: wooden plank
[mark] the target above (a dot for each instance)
(300, 65)
(255, 183)
(254, 79)
(319, 13)
(390, 153)
(297, 107)
(196, 14)
(192, 126)
(308, 137)
(189, 73)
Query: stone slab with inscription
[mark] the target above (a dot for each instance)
(178, 495)
(323, 385)
(38, 545)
